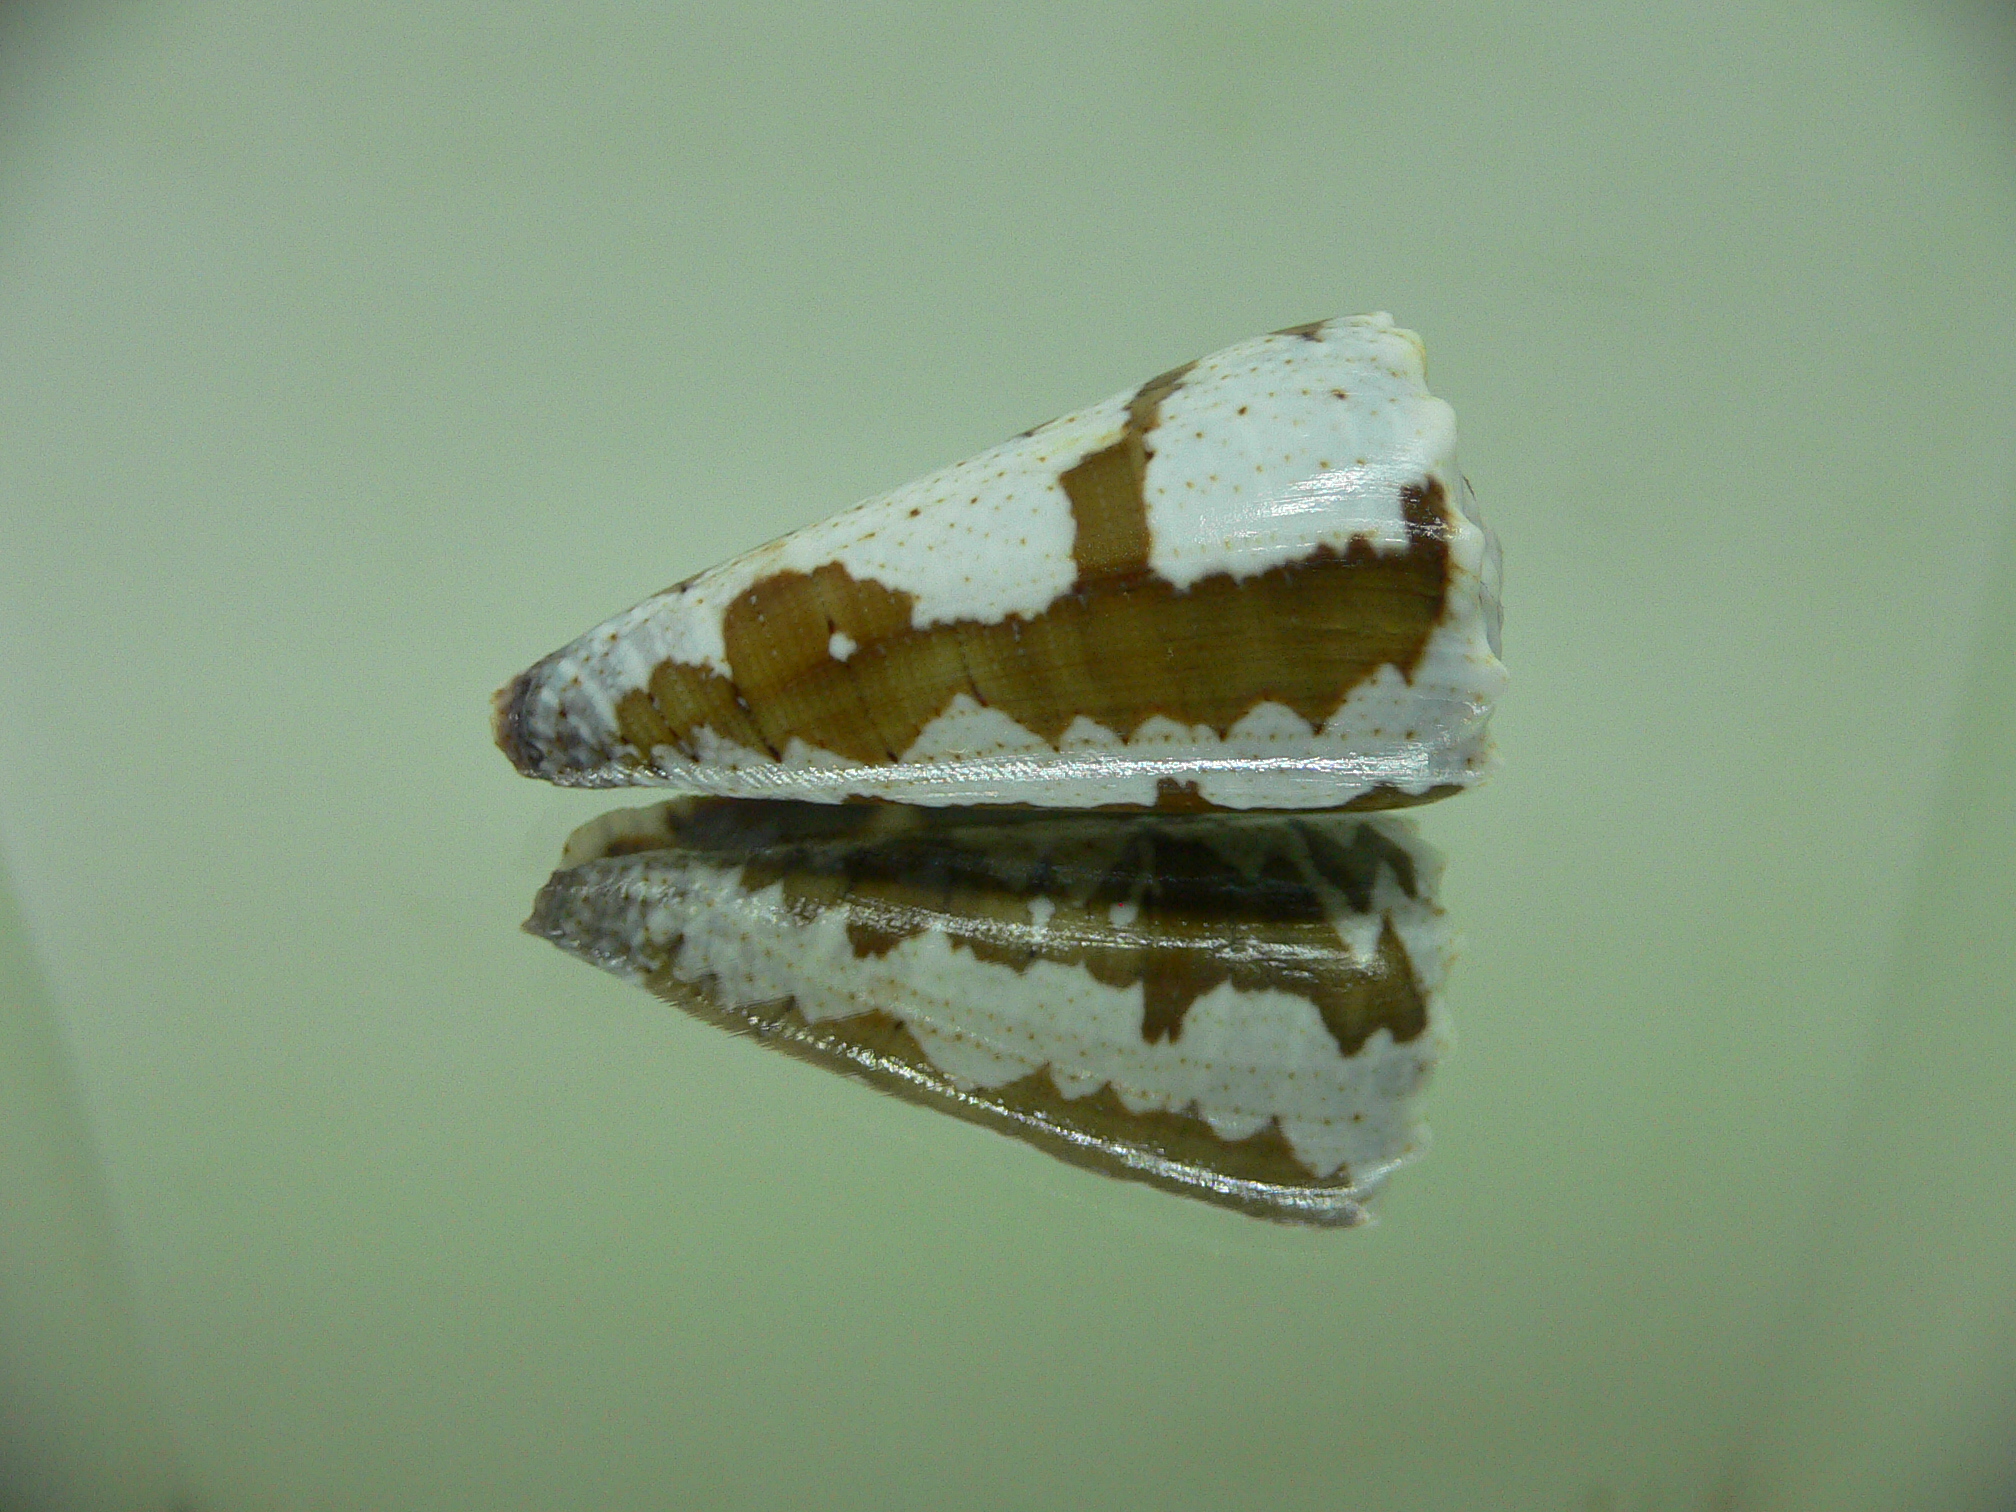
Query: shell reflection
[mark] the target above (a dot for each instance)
(1237, 1007)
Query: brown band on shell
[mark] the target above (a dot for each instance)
(1119, 649)
(1108, 491)
(681, 701)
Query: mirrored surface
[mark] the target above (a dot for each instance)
(1234, 1007)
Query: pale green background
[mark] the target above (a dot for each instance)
(354, 355)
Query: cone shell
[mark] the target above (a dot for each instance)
(1256, 581)
(1240, 1008)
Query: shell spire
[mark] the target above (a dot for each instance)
(1256, 581)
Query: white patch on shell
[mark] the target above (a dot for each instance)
(840, 645)
(1258, 462)
(968, 728)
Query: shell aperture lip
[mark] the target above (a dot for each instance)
(1255, 581)
(1236, 1007)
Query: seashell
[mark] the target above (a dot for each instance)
(1256, 581)
(1236, 1007)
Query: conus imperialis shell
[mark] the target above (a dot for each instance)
(1236, 1007)
(1256, 581)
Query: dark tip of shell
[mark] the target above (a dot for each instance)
(508, 707)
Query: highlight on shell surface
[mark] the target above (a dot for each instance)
(1237, 1007)
(1256, 581)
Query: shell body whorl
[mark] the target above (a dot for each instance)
(1256, 581)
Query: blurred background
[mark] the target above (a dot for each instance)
(353, 356)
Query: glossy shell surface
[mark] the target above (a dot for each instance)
(1256, 581)
(1237, 1007)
